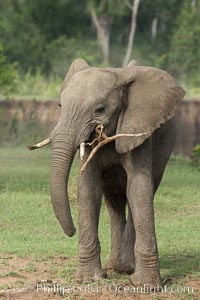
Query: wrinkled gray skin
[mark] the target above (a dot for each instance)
(134, 99)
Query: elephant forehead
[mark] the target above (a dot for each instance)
(92, 82)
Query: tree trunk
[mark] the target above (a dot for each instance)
(132, 32)
(154, 26)
(102, 25)
(193, 3)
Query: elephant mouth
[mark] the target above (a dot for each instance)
(94, 138)
(100, 140)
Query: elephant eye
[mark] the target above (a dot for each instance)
(100, 109)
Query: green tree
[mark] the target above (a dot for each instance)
(20, 37)
(184, 54)
(60, 17)
(47, 35)
(156, 20)
(103, 14)
(7, 74)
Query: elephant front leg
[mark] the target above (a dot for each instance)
(89, 202)
(140, 197)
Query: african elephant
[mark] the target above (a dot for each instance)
(138, 104)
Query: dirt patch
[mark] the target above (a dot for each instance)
(26, 279)
(18, 272)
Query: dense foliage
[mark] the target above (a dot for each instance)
(185, 43)
(47, 35)
(196, 156)
(7, 72)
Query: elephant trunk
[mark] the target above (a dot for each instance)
(62, 157)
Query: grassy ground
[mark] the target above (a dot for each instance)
(33, 246)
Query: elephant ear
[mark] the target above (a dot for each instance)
(152, 98)
(77, 65)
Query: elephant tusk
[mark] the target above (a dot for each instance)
(82, 150)
(39, 145)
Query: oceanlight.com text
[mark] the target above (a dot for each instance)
(95, 288)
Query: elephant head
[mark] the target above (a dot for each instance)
(131, 100)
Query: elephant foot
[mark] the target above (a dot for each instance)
(123, 267)
(119, 266)
(90, 275)
(110, 265)
(150, 281)
(125, 263)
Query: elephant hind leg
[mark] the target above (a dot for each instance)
(122, 233)
(116, 209)
(125, 262)
(163, 144)
(122, 236)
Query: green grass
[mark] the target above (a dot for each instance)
(28, 226)
(177, 209)
(27, 221)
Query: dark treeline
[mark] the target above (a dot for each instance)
(47, 35)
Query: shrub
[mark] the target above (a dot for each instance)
(7, 73)
(34, 85)
(62, 51)
(196, 156)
